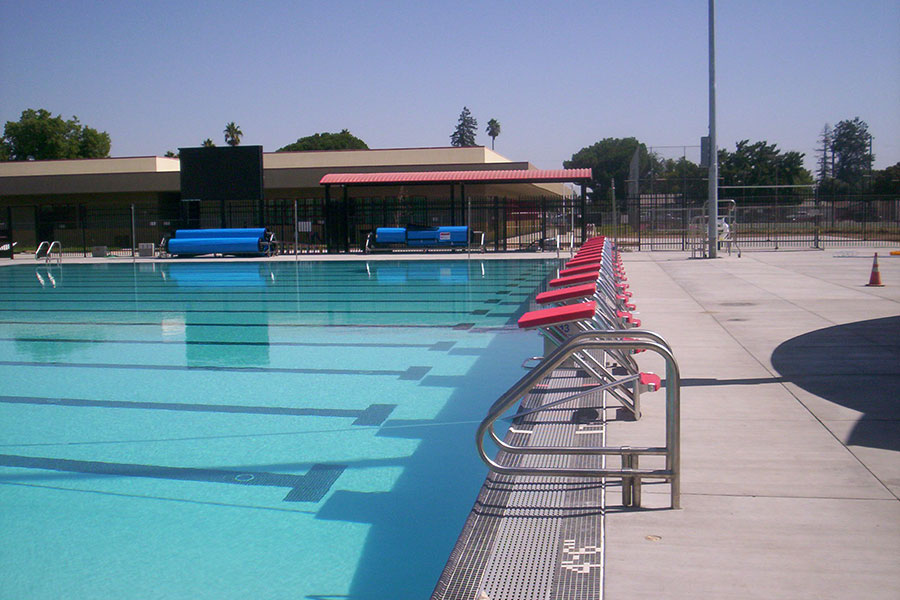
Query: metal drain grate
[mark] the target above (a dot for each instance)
(535, 537)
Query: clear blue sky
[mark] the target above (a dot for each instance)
(558, 76)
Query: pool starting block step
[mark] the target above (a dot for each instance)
(558, 315)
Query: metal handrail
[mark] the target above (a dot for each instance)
(45, 251)
(58, 247)
(600, 340)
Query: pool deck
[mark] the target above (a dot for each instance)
(790, 444)
(790, 427)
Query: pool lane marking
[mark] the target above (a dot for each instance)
(310, 487)
(61, 295)
(413, 373)
(436, 346)
(232, 311)
(374, 414)
(273, 325)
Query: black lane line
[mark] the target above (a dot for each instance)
(411, 373)
(228, 311)
(374, 414)
(310, 487)
(309, 289)
(62, 296)
(434, 346)
(159, 323)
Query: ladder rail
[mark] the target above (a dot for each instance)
(578, 344)
(58, 246)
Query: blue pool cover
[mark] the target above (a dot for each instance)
(218, 241)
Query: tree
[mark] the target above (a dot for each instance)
(493, 130)
(466, 130)
(762, 164)
(326, 141)
(852, 147)
(38, 135)
(683, 176)
(887, 181)
(233, 134)
(208, 143)
(825, 159)
(609, 159)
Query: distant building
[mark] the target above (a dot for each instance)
(45, 198)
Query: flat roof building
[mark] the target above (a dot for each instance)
(46, 200)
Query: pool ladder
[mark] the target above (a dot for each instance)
(630, 472)
(45, 251)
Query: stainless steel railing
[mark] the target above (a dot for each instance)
(630, 471)
(45, 251)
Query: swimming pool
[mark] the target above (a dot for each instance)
(231, 430)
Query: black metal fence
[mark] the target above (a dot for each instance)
(650, 222)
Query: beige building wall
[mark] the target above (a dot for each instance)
(286, 175)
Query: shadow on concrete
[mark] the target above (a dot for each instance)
(853, 365)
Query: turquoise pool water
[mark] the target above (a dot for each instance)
(247, 430)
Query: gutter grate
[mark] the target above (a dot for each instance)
(531, 537)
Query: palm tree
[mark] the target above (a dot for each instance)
(233, 134)
(493, 130)
(208, 143)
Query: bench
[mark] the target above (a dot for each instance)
(249, 241)
(445, 236)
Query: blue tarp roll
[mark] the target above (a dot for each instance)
(226, 245)
(254, 232)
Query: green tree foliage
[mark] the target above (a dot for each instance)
(233, 134)
(493, 130)
(466, 130)
(326, 141)
(851, 145)
(208, 143)
(683, 176)
(38, 135)
(762, 164)
(824, 156)
(609, 159)
(887, 181)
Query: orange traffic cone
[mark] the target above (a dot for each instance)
(875, 277)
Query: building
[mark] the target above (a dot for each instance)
(46, 200)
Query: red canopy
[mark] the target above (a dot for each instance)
(425, 177)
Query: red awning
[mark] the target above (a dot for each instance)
(426, 177)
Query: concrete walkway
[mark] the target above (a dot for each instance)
(790, 430)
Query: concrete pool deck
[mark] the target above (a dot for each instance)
(790, 432)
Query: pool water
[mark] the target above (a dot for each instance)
(247, 429)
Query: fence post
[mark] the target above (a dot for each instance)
(9, 233)
(543, 221)
(82, 216)
(818, 216)
(133, 241)
(614, 211)
(496, 211)
(583, 214)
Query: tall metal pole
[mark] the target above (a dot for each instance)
(713, 209)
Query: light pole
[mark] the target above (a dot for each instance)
(713, 209)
